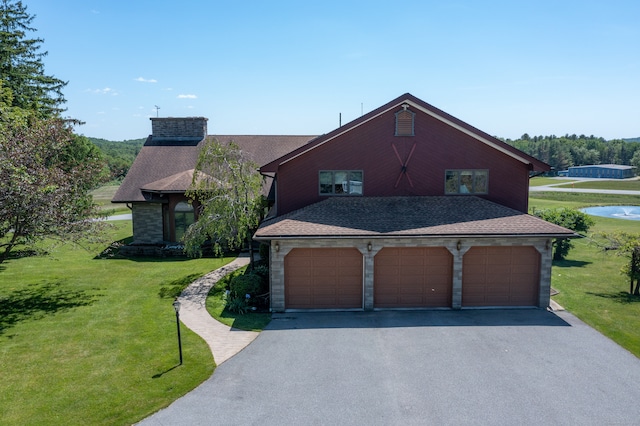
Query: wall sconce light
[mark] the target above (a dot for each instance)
(277, 246)
(459, 245)
(548, 244)
(369, 246)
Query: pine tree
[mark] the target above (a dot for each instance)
(21, 66)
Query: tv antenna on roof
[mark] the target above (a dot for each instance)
(157, 108)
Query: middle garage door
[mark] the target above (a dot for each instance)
(323, 278)
(412, 277)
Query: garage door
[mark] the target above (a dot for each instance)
(500, 276)
(323, 278)
(412, 277)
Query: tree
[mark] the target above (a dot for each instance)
(46, 173)
(569, 218)
(628, 245)
(21, 66)
(227, 187)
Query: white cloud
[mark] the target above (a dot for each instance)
(105, 91)
(187, 96)
(146, 80)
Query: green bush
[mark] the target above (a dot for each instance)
(238, 305)
(242, 285)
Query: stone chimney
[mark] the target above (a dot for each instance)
(178, 128)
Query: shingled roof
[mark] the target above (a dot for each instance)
(450, 216)
(165, 166)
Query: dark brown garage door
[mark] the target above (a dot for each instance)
(323, 278)
(412, 277)
(500, 276)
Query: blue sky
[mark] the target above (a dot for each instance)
(291, 67)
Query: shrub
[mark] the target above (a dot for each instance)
(238, 304)
(242, 285)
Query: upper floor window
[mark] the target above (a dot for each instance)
(404, 122)
(466, 182)
(340, 182)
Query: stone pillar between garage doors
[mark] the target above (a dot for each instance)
(456, 285)
(276, 276)
(546, 261)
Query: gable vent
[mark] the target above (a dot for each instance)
(404, 122)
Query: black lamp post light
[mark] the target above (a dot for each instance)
(176, 307)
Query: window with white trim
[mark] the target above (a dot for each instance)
(466, 182)
(340, 182)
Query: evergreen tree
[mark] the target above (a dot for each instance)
(21, 66)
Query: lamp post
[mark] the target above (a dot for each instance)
(176, 307)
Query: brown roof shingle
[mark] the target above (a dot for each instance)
(157, 162)
(407, 216)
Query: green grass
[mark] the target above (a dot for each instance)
(540, 181)
(626, 185)
(93, 341)
(579, 199)
(102, 197)
(589, 280)
(252, 321)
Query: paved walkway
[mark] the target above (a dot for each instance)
(224, 341)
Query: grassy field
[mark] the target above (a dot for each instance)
(579, 200)
(540, 181)
(626, 185)
(102, 197)
(89, 340)
(620, 184)
(589, 280)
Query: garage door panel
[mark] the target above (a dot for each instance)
(325, 278)
(422, 277)
(500, 276)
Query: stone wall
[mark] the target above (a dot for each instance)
(147, 223)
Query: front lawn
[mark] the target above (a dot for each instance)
(85, 340)
(589, 280)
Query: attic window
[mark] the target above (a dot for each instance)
(404, 122)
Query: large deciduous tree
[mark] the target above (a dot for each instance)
(21, 66)
(46, 173)
(227, 186)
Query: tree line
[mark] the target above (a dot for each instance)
(118, 156)
(562, 152)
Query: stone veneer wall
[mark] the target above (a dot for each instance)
(147, 223)
(276, 261)
(179, 127)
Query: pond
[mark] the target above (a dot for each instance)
(615, 212)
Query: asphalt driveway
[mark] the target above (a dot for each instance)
(498, 367)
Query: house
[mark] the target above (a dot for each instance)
(406, 207)
(154, 188)
(606, 171)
